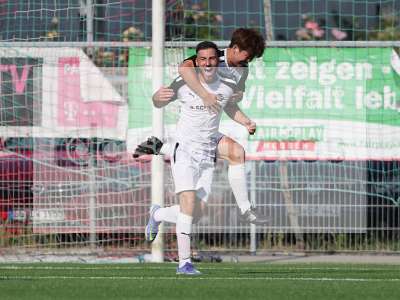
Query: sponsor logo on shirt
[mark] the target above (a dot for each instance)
(198, 107)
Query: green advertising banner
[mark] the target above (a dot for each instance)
(308, 103)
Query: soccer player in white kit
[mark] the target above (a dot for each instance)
(233, 64)
(195, 149)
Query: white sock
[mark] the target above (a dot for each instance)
(183, 231)
(166, 149)
(238, 182)
(167, 214)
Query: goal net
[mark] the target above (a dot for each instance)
(75, 99)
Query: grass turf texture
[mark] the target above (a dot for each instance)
(219, 281)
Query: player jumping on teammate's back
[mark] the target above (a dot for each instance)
(246, 44)
(196, 145)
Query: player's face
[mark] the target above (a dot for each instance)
(207, 61)
(239, 57)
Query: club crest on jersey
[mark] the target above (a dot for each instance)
(221, 97)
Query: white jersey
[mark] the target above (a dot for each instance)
(197, 128)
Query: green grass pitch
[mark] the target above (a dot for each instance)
(219, 281)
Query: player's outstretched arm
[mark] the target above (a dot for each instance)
(235, 113)
(187, 71)
(163, 96)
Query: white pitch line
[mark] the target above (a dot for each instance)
(167, 267)
(201, 278)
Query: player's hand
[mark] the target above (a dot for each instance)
(211, 102)
(164, 94)
(251, 127)
(237, 97)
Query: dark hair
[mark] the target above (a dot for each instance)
(249, 40)
(206, 45)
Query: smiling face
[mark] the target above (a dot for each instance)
(207, 61)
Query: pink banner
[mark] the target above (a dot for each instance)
(72, 111)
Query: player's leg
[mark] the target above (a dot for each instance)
(203, 189)
(185, 173)
(193, 206)
(151, 229)
(170, 213)
(183, 232)
(167, 214)
(160, 214)
(184, 225)
(203, 171)
(234, 153)
(184, 176)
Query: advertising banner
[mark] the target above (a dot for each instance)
(57, 92)
(308, 103)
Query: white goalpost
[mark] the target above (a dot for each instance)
(157, 166)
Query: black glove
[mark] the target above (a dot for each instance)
(150, 147)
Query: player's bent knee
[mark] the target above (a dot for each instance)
(237, 155)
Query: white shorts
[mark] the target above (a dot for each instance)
(192, 172)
